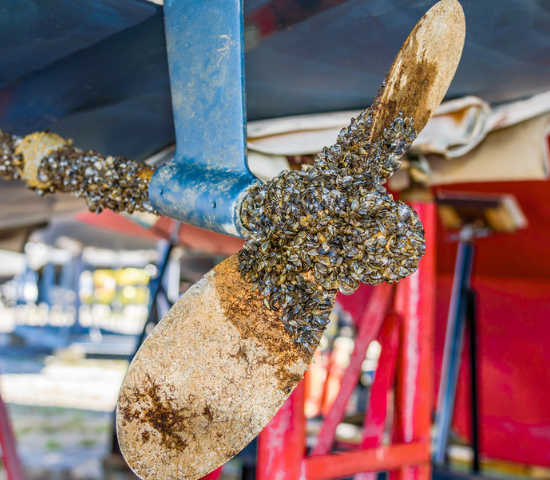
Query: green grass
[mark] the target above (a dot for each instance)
(88, 442)
(52, 444)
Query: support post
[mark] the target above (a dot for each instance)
(165, 248)
(213, 475)
(454, 339)
(371, 320)
(155, 285)
(415, 302)
(384, 379)
(474, 392)
(282, 443)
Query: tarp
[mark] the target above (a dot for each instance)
(465, 141)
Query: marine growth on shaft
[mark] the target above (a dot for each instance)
(111, 182)
(331, 226)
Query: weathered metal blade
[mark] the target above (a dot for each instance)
(423, 69)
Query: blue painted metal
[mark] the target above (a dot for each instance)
(77, 263)
(47, 284)
(209, 175)
(164, 248)
(454, 339)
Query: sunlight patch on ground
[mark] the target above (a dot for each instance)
(86, 384)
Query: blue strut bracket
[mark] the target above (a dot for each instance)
(207, 180)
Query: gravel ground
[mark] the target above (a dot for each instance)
(62, 415)
(61, 442)
(83, 384)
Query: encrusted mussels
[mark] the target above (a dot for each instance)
(10, 163)
(115, 183)
(331, 226)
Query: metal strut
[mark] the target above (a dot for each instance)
(207, 180)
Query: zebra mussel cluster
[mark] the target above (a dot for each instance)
(10, 163)
(115, 183)
(329, 227)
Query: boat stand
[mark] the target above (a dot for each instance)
(157, 294)
(461, 317)
(401, 317)
(475, 216)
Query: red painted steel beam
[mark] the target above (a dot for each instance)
(338, 465)
(213, 475)
(375, 420)
(314, 385)
(377, 408)
(368, 328)
(282, 443)
(415, 302)
(12, 463)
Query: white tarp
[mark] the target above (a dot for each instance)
(515, 153)
(465, 141)
(456, 127)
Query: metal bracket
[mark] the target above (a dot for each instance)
(207, 180)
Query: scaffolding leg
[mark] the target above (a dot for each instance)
(165, 248)
(414, 390)
(454, 339)
(282, 443)
(472, 327)
(213, 475)
(368, 328)
(384, 378)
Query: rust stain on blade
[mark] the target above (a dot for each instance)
(245, 310)
(173, 424)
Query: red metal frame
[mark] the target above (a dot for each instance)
(12, 463)
(213, 475)
(326, 467)
(282, 447)
(407, 341)
(377, 409)
(366, 333)
(415, 301)
(376, 414)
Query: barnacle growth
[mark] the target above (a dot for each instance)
(329, 227)
(51, 164)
